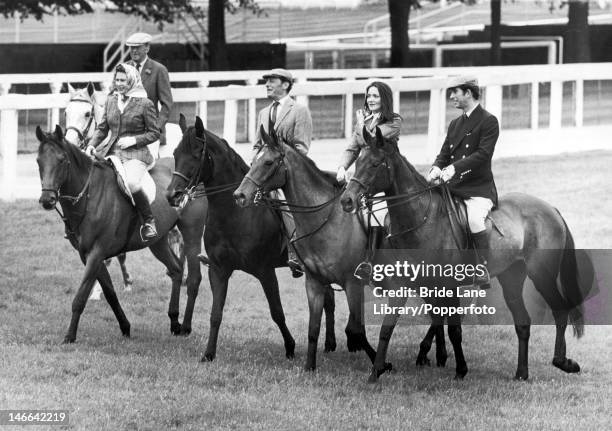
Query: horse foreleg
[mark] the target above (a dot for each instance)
(192, 248)
(93, 263)
(269, 283)
(127, 280)
(315, 292)
(218, 283)
(512, 281)
(456, 338)
(111, 297)
(384, 338)
(356, 325)
(161, 250)
(329, 306)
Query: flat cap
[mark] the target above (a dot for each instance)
(279, 73)
(458, 81)
(138, 39)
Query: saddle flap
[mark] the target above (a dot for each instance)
(147, 183)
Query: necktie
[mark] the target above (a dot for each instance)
(273, 115)
(138, 67)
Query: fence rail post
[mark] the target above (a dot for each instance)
(535, 105)
(252, 115)
(8, 150)
(230, 121)
(579, 114)
(556, 107)
(202, 108)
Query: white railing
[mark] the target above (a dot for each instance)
(433, 80)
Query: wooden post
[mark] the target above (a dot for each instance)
(435, 127)
(348, 115)
(230, 121)
(56, 87)
(252, 115)
(535, 105)
(579, 114)
(493, 101)
(202, 108)
(8, 149)
(556, 101)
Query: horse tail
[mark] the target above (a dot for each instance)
(570, 284)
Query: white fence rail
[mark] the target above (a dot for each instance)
(328, 83)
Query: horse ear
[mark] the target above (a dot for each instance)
(39, 134)
(367, 137)
(71, 90)
(182, 122)
(90, 89)
(199, 125)
(264, 136)
(59, 133)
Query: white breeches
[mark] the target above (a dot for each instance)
(134, 171)
(477, 210)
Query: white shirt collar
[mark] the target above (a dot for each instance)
(282, 101)
(142, 63)
(468, 113)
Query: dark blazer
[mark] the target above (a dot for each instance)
(139, 119)
(469, 146)
(390, 130)
(156, 82)
(293, 125)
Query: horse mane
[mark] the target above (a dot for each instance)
(232, 155)
(77, 157)
(328, 176)
(420, 178)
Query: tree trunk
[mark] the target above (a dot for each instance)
(577, 34)
(496, 55)
(217, 48)
(399, 12)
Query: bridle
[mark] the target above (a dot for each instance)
(273, 174)
(83, 135)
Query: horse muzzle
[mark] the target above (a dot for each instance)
(348, 203)
(48, 200)
(174, 197)
(240, 199)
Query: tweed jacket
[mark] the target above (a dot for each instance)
(138, 119)
(469, 146)
(293, 125)
(390, 130)
(156, 82)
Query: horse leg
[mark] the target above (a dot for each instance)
(269, 282)
(356, 326)
(560, 360)
(111, 297)
(127, 280)
(386, 330)
(512, 281)
(93, 263)
(191, 249)
(425, 345)
(161, 250)
(218, 283)
(441, 353)
(329, 306)
(315, 292)
(455, 337)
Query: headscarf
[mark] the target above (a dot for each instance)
(134, 82)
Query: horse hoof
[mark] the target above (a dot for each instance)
(441, 361)
(459, 376)
(175, 328)
(185, 331)
(330, 346)
(127, 287)
(567, 365)
(421, 362)
(521, 376)
(126, 332)
(68, 340)
(388, 367)
(373, 377)
(460, 373)
(208, 357)
(310, 368)
(290, 355)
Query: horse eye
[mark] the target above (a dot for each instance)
(268, 162)
(87, 115)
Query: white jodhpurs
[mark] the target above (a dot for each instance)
(477, 210)
(134, 171)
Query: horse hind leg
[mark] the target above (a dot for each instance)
(127, 279)
(190, 250)
(456, 338)
(269, 282)
(512, 281)
(329, 307)
(218, 283)
(425, 344)
(161, 250)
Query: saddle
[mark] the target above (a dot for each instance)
(148, 185)
(457, 217)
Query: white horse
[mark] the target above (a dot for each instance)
(83, 114)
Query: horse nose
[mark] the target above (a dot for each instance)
(347, 204)
(240, 198)
(47, 202)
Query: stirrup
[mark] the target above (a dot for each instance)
(483, 281)
(148, 232)
(363, 271)
(296, 269)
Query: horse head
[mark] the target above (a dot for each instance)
(372, 169)
(268, 170)
(83, 112)
(53, 165)
(189, 160)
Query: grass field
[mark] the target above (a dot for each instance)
(154, 381)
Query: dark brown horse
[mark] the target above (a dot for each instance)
(329, 241)
(536, 243)
(103, 223)
(249, 240)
